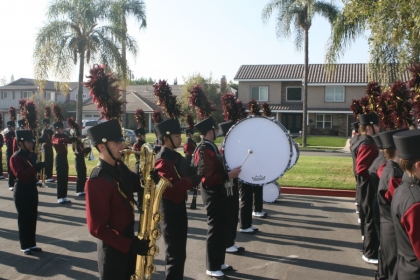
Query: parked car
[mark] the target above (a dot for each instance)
(86, 124)
(130, 133)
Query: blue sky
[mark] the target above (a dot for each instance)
(183, 37)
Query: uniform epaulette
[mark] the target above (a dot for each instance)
(95, 172)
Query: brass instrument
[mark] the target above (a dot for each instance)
(74, 144)
(128, 144)
(88, 144)
(150, 216)
(38, 151)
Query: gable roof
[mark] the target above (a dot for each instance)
(344, 73)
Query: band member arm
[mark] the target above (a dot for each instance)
(57, 140)
(214, 174)
(412, 227)
(393, 184)
(380, 170)
(22, 170)
(15, 146)
(365, 156)
(100, 195)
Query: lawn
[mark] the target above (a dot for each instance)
(325, 141)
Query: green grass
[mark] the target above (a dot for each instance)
(321, 172)
(326, 141)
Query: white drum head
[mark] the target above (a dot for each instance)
(270, 192)
(270, 145)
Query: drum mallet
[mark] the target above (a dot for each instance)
(249, 152)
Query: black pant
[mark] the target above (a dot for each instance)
(80, 165)
(215, 201)
(1, 162)
(9, 172)
(389, 248)
(25, 197)
(49, 158)
(258, 198)
(62, 170)
(174, 231)
(232, 216)
(247, 195)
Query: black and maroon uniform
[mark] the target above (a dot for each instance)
(48, 152)
(1, 155)
(174, 167)
(137, 147)
(60, 142)
(80, 164)
(405, 211)
(367, 152)
(8, 139)
(374, 184)
(355, 143)
(213, 193)
(110, 217)
(22, 165)
(390, 179)
(189, 148)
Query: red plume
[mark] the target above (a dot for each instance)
(384, 111)
(30, 115)
(166, 100)
(266, 110)
(105, 92)
(364, 102)
(47, 112)
(12, 114)
(198, 99)
(73, 124)
(241, 110)
(401, 105)
(414, 85)
(373, 91)
(157, 117)
(57, 112)
(230, 109)
(22, 103)
(190, 121)
(356, 108)
(139, 117)
(254, 108)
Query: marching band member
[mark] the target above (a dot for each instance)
(47, 134)
(213, 190)
(8, 139)
(21, 126)
(140, 136)
(1, 148)
(190, 144)
(405, 206)
(24, 167)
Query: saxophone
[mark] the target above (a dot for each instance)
(150, 216)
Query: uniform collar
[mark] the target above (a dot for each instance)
(108, 168)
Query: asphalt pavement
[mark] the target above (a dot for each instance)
(304, 237)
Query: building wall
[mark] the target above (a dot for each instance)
(316, 97)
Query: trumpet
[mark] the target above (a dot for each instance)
(87, 143)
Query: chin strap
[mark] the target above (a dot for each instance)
(109, 152)
(214, 134)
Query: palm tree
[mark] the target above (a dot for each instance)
(72, 35)
(295, 16)
(119, 11)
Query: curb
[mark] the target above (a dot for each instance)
(317, 192)
(71, 178)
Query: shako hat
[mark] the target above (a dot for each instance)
(189, 131)
(140, 131)
(205, 125)
(11, 123)
(407, 144)
(104, 132)
(58, 125)
(46, 121)
(355, 126)
(367, 119)
(386, 138)
(168, 127)
(24, 135)
(377, 141)
(224, 128)
(21, 122)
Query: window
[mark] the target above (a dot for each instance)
(48, 95)
(27, 94)
(323, 121)
(7, 95)
(96, 116)
(259, 93)
(334, 94)
(84, 96)
(88, 116)
(293, 94)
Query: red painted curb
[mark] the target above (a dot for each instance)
(71, 178)
(318, 192)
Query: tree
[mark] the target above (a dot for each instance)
(72, 35)
(12, 79)
(233, 85)
(143, 81)
(3, 81)
(119, 11)
(295, 16)
(393, 28)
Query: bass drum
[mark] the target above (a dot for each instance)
(261, 146)
(271, 192)
(295, 155)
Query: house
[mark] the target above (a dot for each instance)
(329, 96)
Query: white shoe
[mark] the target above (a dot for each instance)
(63, 200)
(356, 203)
(363, 238)
(80, 193)
(359, 221)
(254, 228)
(261, 214)
(225, 267)
(11, 188)
(231, 249)
(215, 274)
(371, 261)
(357, 211)
(66, 200)
(239, 247)
(1, 177)
(247, 230)
(50, 180)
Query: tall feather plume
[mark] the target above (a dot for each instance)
(364, 102)
(401, 105)
(266, 110)
(384, 111)
(166, 100)
(189, 121)
(157, 117)
(356, 108)
(414, 85)
(198, 99)
(105, 92)
(139, 117)
(73, 124)
(1, 121)
(241, 110)
(254, 108)
(47, 112)
(22, 103)
(12, 114)
(30, 115)
(58, 113)
(230, 108)
(373, 91)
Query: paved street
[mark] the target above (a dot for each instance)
(304, 238)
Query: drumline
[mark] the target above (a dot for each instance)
(262, 165)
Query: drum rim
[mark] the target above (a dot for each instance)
(282, 127)
(297, 154)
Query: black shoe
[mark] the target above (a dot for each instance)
(36, 249)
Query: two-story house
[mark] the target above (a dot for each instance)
(329, 95)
